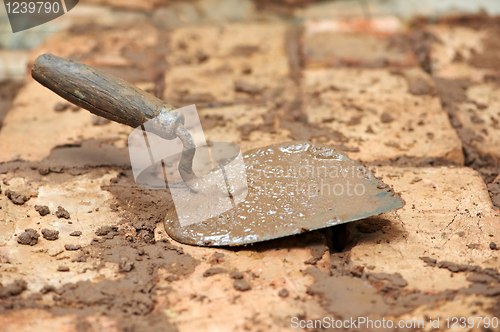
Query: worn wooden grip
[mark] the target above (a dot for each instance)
(99, 92)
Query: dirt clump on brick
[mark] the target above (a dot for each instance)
(213, 271)
(242, 285)
(43, 210)
(28, 237)
(49, 234)
(16, 198)
(131, 298)
(62, 213)
(72, 247)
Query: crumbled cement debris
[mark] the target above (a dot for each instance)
(216, 258)
(17, 199)
(126, 265)
(42, 209)
(235, 274)
(62, 213)
(49, 234)
(72, 247)
(415, 180)
(43, 170)
(454, 267)
(28, 237)
(213, 271)
(80, 259)
(241, 285)
(104, 230)
(429, 261)
(395, 278)
(283, 292)
(386, 118)
(53, 252)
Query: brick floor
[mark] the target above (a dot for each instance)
(376, 111)
(249, 61)
(468, 54)
(481, 114)
(238, 74)
(456, 55)
(32, 128)
(378, 42)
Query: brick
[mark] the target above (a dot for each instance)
(218, 306)
(44, 321)
(12, 64)
(32, 128)
(444, 203)
(233, 123)
(130, 51)
(35, 264)
(375, 111)
(445, 211)
(481, 114)
(462, 53)
(377, 42)
(181, 13)
(221, 65)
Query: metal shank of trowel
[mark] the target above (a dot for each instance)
(113, 98)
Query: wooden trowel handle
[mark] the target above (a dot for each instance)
(95, 90)
(111, 97)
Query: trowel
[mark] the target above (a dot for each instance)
(286, 188)
(293, 187)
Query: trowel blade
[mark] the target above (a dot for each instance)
(293, 187)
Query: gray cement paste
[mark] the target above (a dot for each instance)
(293, 187)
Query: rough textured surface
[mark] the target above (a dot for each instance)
(378, 42)
(465, 66)
(465, 52)
(28, 237)
(43, 210)
(49, 234)
(479, 114)
(379, 116)
(249, 61)
(62, 213)
(18, 199)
